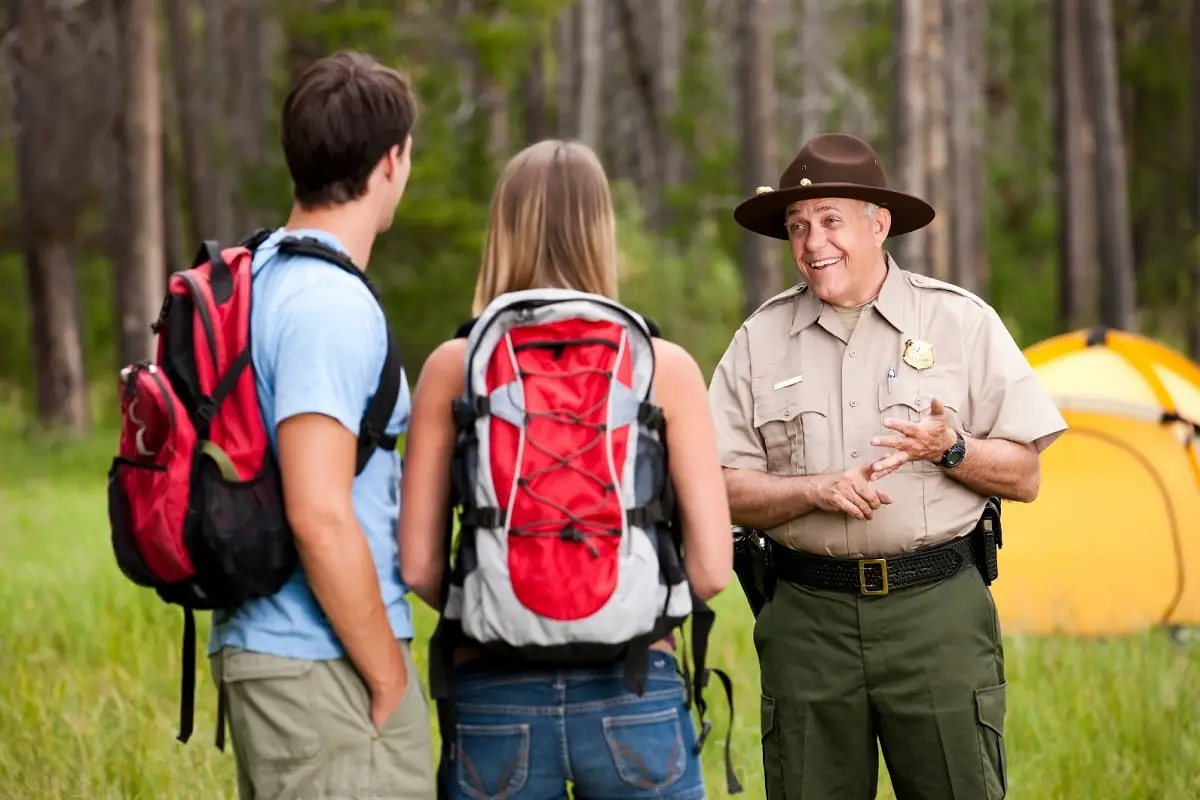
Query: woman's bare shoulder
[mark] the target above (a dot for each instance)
(676, 373)
(443, 368)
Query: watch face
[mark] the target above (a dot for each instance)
(957, 452)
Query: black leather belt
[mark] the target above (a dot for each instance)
(874, 576)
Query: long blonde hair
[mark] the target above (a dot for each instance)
(551, 225)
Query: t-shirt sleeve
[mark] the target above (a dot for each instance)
(1007, 399)
(329, 353)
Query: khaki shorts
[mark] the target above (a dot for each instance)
(302, 729)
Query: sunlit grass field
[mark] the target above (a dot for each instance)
(89, 674)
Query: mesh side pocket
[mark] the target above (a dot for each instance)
(242, 543)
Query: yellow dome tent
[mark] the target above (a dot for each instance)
(1112, 544)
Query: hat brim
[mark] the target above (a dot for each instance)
(765, 213)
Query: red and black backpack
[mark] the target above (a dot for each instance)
(194, 495)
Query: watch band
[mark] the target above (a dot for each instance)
(954, 456)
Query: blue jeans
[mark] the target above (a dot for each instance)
(523, 734)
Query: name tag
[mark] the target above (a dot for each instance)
(786, 382)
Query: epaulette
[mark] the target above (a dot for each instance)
(790, 292)
(926, 282)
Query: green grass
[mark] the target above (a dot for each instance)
(89, 673)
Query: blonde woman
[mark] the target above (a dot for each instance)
(524, 730)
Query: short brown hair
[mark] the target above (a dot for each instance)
(551, 225)
(340, 117)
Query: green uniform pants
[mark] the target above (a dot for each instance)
(920, 670)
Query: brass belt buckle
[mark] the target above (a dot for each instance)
(862, 576)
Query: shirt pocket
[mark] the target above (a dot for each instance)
(909, 398)
(794, 425)
(775, 420)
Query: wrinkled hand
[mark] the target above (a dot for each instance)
(851, 492)
(927, 440)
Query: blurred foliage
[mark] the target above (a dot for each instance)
(686, 278)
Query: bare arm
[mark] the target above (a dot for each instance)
(761, 500)
(426, 482)
(316, 459)
(695, 470)
(999, 467)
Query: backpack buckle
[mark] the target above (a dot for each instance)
(206, 409)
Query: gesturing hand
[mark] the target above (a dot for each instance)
(851, 492)
(927, 440)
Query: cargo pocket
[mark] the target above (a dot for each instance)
(989, 713)
(271, 711)
(773, 775)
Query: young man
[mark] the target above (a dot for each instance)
(323, 697)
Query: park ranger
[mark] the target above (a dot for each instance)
(869, 421)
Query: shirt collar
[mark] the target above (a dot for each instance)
(891, 303)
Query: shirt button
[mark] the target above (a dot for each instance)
(854, 454)
(854, 404)
(852, 354)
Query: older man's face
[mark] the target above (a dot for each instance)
(836, 245)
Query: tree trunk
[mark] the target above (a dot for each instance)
(566, 74)
(650, 140)
(251, 103)
(219, 169)
(1118, 299)
(591, 73)
(937, 162)
(533, 99)
(964, 75)
(670, 60)
(911, 117)
(191, 108)
(759, 156)
(1075, 165)
(48, 206)
(140, 281)
(814, 101)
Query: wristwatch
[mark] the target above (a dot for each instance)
(954, 456)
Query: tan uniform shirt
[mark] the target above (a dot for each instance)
(802, 390)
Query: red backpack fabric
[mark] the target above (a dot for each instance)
(194, 495)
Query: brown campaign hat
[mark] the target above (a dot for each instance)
(832, 165)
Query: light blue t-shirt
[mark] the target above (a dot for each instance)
(318, 342)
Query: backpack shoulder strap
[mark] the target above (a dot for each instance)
(655, 331)
(372, 433)
(464, 330)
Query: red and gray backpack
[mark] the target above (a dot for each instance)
(569, 548)
(194, 495)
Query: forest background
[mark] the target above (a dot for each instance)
(1059, 141)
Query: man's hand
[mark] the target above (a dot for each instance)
(927, 440)
(850, 492)
(386, 697)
